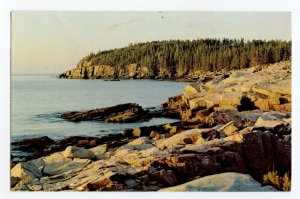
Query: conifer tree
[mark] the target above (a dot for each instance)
(196, 55)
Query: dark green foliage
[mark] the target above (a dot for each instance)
(201, 54)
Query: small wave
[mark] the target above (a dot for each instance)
(49, 117)
(19, 154)
(110, 130)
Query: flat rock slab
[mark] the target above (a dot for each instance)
(221, 182)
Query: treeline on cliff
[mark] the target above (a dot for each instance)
(201, 54)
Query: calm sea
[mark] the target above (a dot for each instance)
(36, 102)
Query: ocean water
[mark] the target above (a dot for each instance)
(37, 101)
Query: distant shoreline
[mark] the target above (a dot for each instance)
(103, 79)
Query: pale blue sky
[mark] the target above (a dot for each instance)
(53, 42)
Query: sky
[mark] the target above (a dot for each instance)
(54, 41)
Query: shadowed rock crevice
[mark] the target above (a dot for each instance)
(246, 105)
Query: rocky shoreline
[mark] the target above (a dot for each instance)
(122, 113)
(134, 71)
(234, 129)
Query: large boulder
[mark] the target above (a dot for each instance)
(183, 138)
(193, 88)
(204, 102)
(25, 171)
(233, 98)
(99, 149)
(76, 152)
(263, 88)
(221, 182)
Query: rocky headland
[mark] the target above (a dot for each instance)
(180, 60)
(233, 131)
